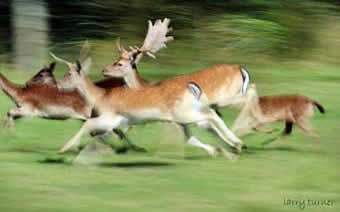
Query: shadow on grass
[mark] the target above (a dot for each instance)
(197, 157)
(144, 164)
(24, 150)
(255, 149)
(55, 160)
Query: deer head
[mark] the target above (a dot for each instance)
(44, 76)
(76, 73)
(156, 39)
(83, 61)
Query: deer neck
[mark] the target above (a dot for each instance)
(133, 79)
(90, 92)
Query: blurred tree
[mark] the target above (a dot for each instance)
(233, 29)
(5, 29)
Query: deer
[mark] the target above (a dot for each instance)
(168, 101)
(27, 96)
(40, 97)
(289, 108)
(223, 84)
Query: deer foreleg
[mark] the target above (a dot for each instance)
(101, 123)
(125, 138)
(16, 113)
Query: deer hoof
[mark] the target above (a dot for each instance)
(213, 152)
(229, 155)
(238, 147)
(8, 124)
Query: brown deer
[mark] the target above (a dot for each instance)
(289, 108)
(45, 79)
(171, 100)
(40, 97)
(223, 84)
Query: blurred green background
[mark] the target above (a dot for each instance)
(287, 46)
(250, 32)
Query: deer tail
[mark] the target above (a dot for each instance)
(9, 88)
(319, 106)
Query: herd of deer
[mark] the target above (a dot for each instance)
(125, 98)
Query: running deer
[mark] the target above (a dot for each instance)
(40, 97)
(223, 84)
(171, 100)
(290, 108)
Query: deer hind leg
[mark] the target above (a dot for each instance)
(192, 140)
(223, 132)
(101, 123)
(288, 128)
(247, 118)
(305, 126)
(241, 120)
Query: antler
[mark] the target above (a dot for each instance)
(156, 37)
(123, 52)
(84, 52)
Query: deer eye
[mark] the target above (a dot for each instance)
(120, 64)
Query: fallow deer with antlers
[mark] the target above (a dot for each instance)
(223, 84)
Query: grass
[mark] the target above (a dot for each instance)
(171, 176)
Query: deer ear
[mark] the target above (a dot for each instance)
(78, 66)
(52, 67)
(86, 65)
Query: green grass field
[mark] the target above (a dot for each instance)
(174, 177)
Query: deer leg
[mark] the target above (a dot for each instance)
(222, 130)
(258, 128)
(101, 123)
(244, 121)
(288, 128)
(16, 113)
(192, 140)
(123, 136)
(217, 110)
(266, 131)
(9, 121)
(305, 126)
